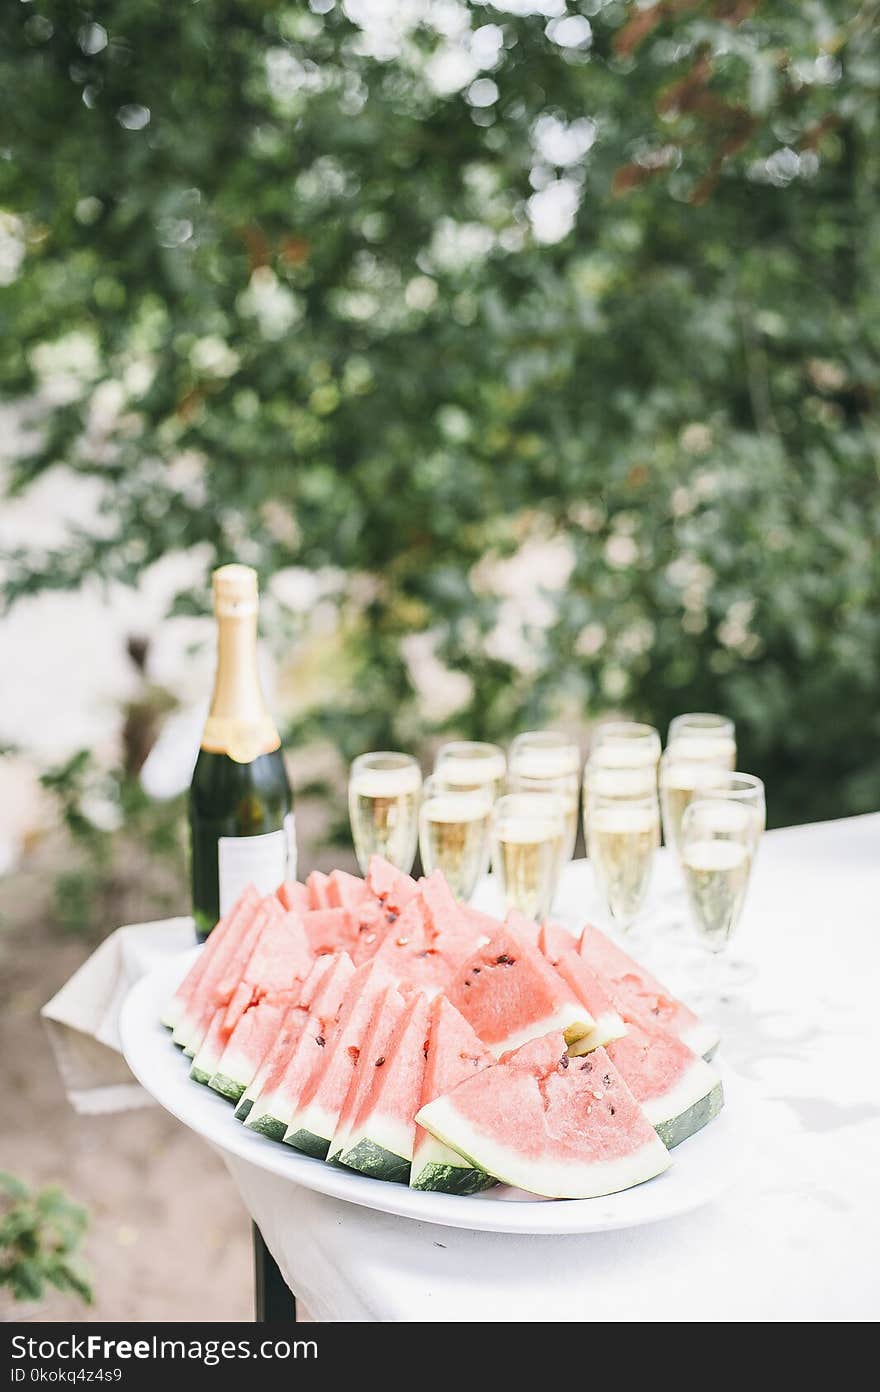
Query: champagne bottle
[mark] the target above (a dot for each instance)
(240, 806)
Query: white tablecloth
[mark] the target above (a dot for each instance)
(797, 1236)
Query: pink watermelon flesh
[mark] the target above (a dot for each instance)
(677, 1090)
(293, 896)
(482, 924)
(276, 1057)
(392, 886)
(346, 891)
(272, 1112)
(281, 957)
(510, 993)
(454, 1053)
(210, 1052)
(387, 1009)
(381, 1135)
(330, 930)
(248, 1042)
(523, 926)
(633, 986)
(550, 1124)
(218, 984)
(318, 886)
(213, 954)
(559, 948)
(321, 1099)
(451, 931)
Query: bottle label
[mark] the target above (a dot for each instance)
(258, 860)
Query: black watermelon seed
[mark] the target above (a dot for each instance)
(606, 1081)
(611, 1109)
(380, 1061)
(563, 1062)
(319, 1039)
(505, 960)
(476, 971)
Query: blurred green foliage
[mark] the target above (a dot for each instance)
(40, 1233)
(403, 289)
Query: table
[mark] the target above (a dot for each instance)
(794, 1240)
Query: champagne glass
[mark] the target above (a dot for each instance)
(717, 849)
(747, 791)
(622, 836)
(542, 761)
(627, 743)
(699, 746)
(565, 787)
(472, 764)
(454, 832)
(528, 831)
(383, 805)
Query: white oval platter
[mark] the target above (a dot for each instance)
(702, 1166)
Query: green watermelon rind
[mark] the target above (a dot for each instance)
(230, 1088)
(693, 1119)
(451, 1179)
(267, 1116)
(566, 1179)
(199, 1075)
(308, 1142)
(372, 1159)
(311, 1130)
(243, 1107)
(269, 1126)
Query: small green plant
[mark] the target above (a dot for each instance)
(40, 1232)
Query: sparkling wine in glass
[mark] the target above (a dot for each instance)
(454, 832)
(745, 790)
(384, 790)
(543, 761)
(699, 747)
(623, 835)
(468, 764)
(626, 744)
(717, 848)
(528, 831)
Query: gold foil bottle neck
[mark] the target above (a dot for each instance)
(236, 591)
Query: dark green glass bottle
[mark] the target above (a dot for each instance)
(240, 805)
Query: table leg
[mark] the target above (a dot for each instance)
(274, 1302)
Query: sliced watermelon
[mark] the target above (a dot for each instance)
(211, 1051)
(212, 957)
(452, 933)
(386, 882)
(318, 886)
(483, 924)
(293, 896)
(273, 1109)
(552, 1125)
(219, 982)
(387, 1010)
(382, 1134)
(559, 949)
(330, 930)
(509, 993)
(317, 1113)
(523, 926)
(346, 891)
(277, 1056)
(634, 986)
(281, 958)
(677, 1090)
(454, 1053)
(248, 1042)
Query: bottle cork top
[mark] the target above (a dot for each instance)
(236, 591)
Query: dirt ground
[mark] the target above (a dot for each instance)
(168, 1237)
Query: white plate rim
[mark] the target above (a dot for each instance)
(703, 1167)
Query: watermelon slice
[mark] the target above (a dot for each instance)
(317, 1113)
(248, 1043)
(561, 1127)
(346, 891)
(219, 982)
(559, 949)
(387, 1010)
(392, 886)
(281, 957)
(451, 932)
(278, 1054)
(210, 1052)
(677, 1090)
(273, 1109)
(635, 987)
(214, 954)
(318, 886)
(509, 993)
(293, 896)
(330, 930)
(381, 1137)
(454, 1053)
